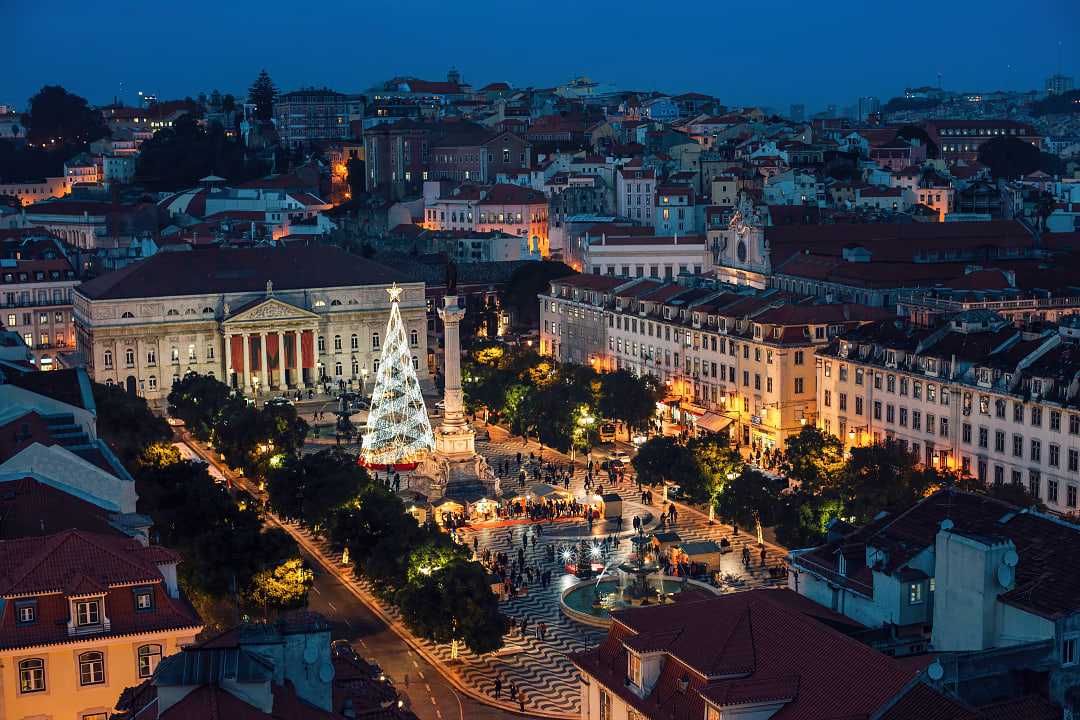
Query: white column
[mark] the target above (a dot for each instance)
(228, 359)
(262, 364)
(281, 360)
(453, 397)
(245, 382)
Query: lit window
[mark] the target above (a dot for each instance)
(32, 675)
(149, 657)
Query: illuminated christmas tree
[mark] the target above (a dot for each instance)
(398, 431)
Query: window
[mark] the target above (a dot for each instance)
(151, 356)
(414, 338)
(87, 612)
(1068, 651)
(984, 437)
(1036, 450)
(374, 341)
(32, 675)
(1052, 490)
(191, 352)
(1070, 496)
(108, 359)
(152, 382)
(999, 441)
(144, 598)
(965, 433)
(798, 385)
(1055, 420)
(322, 344)
(828, 398)
(798, 357)
(1018, 412)
(877, 409)
(149, 657)
(858, 376)
(843, 402)
(605, 705)
(914, 593)
(337, 343)
(129, 357)
(354, 342)
(337, 369)
(1018, 446)
(91, 668)
(1074, 460)
(26, 612)
(1074, 424)
(634, 668)
(858, 406)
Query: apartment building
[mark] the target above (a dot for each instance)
(728, 357)
(975, 394)
(635, 193)
(36, 302)
(312, 115)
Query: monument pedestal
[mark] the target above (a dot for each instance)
(455, 443)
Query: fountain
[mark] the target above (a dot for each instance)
(639, 584)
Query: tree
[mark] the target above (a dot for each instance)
(659, 459)
(201, 401)
(883, 476)
(262, 95)
(630, 399)
(525, 283)
(228, 102)
(455, 604)
(717, 464)
(178, 156)
(126, 423)
(57, 117)
(1010, 157)
(814, 459)
(284, 586)
(1067, 103)
(802, 518)
(749, 500)
(312, 487)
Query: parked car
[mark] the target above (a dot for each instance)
(278, 401)
(619, 455)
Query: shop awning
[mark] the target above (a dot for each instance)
(693, 409)
(713, 422)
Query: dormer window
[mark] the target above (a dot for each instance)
(87, 613)
(633, 669)
(144, 599)
(26, 612)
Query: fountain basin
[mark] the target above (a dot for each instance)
(577, 601)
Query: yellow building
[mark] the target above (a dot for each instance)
(85, 615)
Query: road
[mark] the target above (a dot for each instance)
(431, 697)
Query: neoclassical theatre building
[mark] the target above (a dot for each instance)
(265, 320)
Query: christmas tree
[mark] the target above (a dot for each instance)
(398, 431)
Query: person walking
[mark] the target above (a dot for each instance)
(543, 630)
(521, 700)
(498, 687)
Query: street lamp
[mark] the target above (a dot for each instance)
(363, 380)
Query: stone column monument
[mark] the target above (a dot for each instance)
(454, 438)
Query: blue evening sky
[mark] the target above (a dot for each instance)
(769, 53)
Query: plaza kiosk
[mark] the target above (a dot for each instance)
(664, 541)
(447, 506)
(705, 553)
(416, 504)
(611, 506)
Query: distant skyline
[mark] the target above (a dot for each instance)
(793, 53)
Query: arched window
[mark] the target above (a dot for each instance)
(126, 314)
(91, 668)
(414, 338)
(322, 344)
(152, 382)
(108, 381)
(354, 342)
(149, 657)
(108, 359)
(337, 369)
(172, 311)
(32, 675)
(190, 311)
(129, 357)
(355, 368)
(415, 362)
(208, 311)
(337, 342)
(374, 341)
(334, 303)
(320, 303)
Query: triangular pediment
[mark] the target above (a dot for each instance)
(268, 309)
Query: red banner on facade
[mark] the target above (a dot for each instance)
(236, 355)
(272, 351)
(307, 349)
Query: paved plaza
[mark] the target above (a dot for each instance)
(540, 667)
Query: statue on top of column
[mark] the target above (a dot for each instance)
(451, 277)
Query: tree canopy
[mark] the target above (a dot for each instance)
(1011, 158)
(525, 283)
(262, 95)
(126, 423)
(455, 604)
(312, 487)
(177, 157)
(57, 117)
(630, 399)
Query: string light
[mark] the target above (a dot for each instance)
(398, 430)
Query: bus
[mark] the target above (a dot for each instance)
(607, 432)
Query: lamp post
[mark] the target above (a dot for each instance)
(363, 380)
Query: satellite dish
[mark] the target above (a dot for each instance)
(311, 654)
(935, 671)
(946, 524)
(326, 672)
(1011, 558)
(1005, 576)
